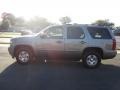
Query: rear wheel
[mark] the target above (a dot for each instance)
(91, 59)
(24, 55)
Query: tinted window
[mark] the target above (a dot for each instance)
(99, 33)
(75, 33)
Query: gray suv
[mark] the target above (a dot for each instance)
(71, 42)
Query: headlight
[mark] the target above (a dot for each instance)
(12, 41)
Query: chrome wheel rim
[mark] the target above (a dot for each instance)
(23, 56)
(92, 60)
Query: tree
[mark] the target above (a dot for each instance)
(5, 25)
(20, 22)
(118, 28)
(104, 23)
(65, 20)
(8, 20)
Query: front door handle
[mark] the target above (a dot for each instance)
(58, 41)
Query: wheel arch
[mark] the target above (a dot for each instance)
(23, 46)
(96, 49)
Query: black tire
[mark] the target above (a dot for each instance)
(95, 56)
(31, 56)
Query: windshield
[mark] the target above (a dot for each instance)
(42, 31)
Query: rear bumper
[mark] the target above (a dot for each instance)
(109, 55)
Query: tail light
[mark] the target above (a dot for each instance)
(114, 44)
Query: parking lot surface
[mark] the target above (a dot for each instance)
(58, 76)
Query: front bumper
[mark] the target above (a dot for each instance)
(11, 51)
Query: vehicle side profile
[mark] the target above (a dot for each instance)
(71, 42)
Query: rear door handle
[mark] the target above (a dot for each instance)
(82, 42)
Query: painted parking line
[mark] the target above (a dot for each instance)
(4, 45)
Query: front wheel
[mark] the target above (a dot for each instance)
(91, 59)
(24, 55)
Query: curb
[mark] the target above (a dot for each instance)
(2, 43)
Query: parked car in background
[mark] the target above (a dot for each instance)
(71, 42)
(117, 37)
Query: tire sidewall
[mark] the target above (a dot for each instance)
(84, 59)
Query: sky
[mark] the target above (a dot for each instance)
(80, 11)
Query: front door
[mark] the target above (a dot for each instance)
(53, 42)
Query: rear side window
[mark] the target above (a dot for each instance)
(75, 33)
(99, 33)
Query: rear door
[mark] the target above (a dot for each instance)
(75, 41)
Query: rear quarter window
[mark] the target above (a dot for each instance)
(99, 33)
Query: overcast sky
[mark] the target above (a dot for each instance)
(81, 11)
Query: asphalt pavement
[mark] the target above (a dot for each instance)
(57, 76)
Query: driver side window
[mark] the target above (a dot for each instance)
(54, 33)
